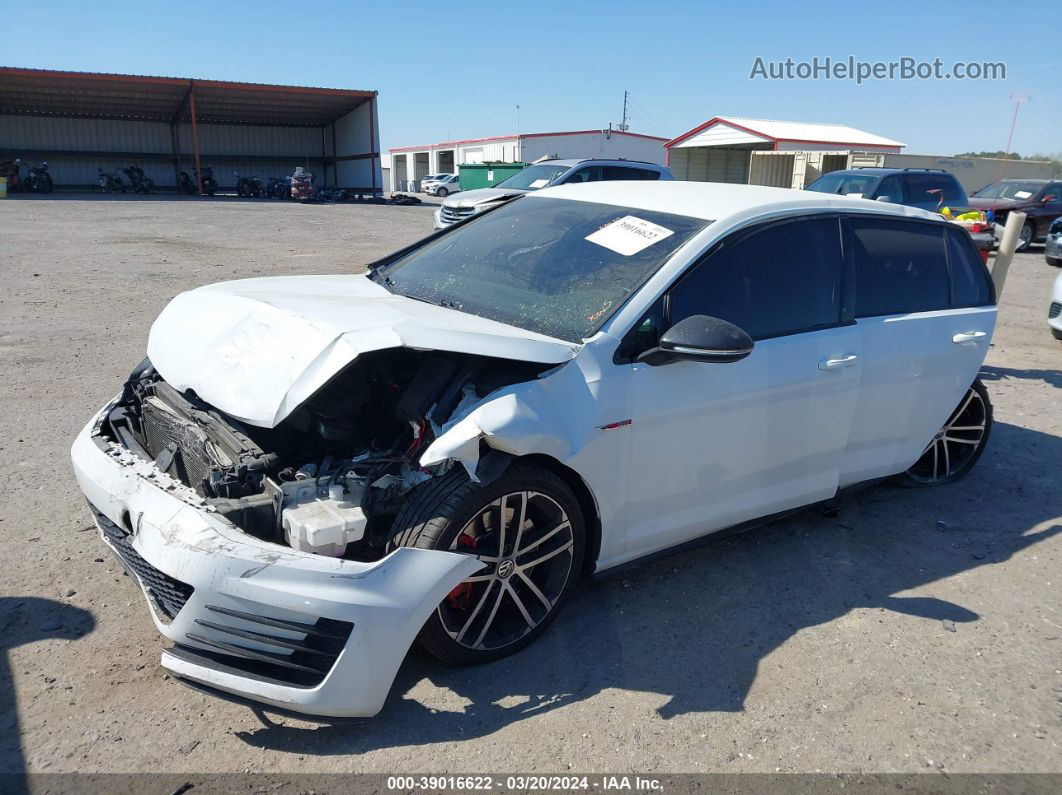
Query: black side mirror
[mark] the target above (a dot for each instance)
(700, 338)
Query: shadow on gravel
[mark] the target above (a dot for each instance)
(1052, 377)
(26, 620)
(694, 627)
(180, 197)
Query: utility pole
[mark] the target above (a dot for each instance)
(623, 124)
(1018, 100)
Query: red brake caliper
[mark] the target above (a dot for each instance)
(460, 598)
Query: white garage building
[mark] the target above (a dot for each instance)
(784, 154)
(413, 163)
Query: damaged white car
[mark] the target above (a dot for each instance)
(308, 473)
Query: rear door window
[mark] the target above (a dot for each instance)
(623, 172)
(970, 282)
(900, 266)
(782, 279)
(933, 189)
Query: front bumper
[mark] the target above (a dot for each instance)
(300, 632)
(1054, 311)
(1053, 246)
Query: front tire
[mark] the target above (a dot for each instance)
(442, 193)
(957, 446)
(1025, 237)
(527, 528)
(1054, 261)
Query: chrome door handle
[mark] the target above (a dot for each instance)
(833, 364)
(968, 336)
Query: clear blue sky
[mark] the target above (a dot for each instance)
(458, 69)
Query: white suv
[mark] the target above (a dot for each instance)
(547, 173)
(442, 185)
(310, 472)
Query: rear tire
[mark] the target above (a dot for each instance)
(954, 450)
(531, 565)
(1056, 333)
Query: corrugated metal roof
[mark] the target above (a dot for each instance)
(95, 95)
(794, 131)
(515, 137)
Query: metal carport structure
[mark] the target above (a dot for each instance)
(80, 119)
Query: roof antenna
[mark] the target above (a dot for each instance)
(623, 125)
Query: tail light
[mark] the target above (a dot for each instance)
(984, 255)
(976, 228)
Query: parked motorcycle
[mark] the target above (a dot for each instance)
(38, 180)
(278, 188)
(302, 188)
(332, 195)
(250, 187)
(186, 185)
(109, 183)
(207, 183)
(138, 180)
(10, 170)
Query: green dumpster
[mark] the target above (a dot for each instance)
(486, 175)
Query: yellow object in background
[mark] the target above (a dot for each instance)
(3, 187)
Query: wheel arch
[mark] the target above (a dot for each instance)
(587, 502)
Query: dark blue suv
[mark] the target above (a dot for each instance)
(929, 189)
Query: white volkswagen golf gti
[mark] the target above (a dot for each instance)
(309, 473)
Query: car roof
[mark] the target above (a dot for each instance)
(1035, 181)
(885, 170)
(714, 201)
(576, 161)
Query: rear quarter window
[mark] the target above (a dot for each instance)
(970, 282)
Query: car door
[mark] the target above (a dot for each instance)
(1048, 207)
(714, 445)
(923, 336)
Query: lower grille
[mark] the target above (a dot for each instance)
(1054, 311)
(301, 658)
(168, 595)
(451, 215)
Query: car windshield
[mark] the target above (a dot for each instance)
(533, 177)
(844, 184)
(554, 266)
(1009, 190)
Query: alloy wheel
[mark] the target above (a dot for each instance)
(955, 443)
(526, 540)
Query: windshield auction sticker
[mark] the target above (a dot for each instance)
(629, 235)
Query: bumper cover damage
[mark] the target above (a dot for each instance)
(303, 633)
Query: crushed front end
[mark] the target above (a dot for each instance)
(264, 553)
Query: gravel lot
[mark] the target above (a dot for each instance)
(917, 630)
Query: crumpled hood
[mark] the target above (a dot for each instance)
(470, 198)
(258, 348)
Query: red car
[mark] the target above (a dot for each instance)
(1040, 199)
